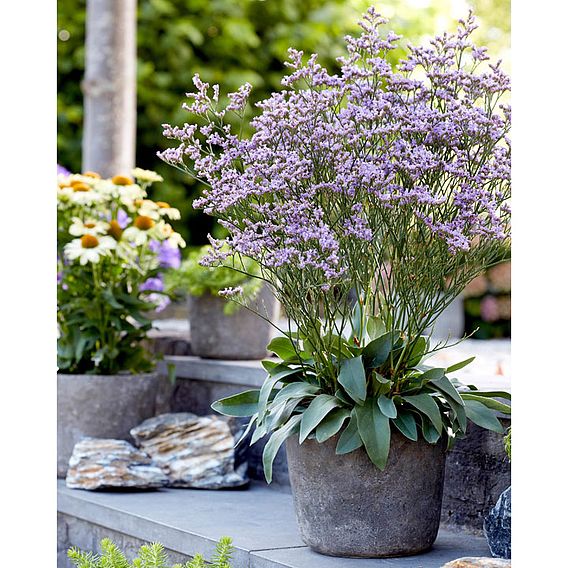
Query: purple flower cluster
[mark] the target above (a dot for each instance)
(333, 156)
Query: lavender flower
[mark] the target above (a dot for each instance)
(346, 174)
(168, 255)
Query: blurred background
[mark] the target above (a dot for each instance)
(230, 42)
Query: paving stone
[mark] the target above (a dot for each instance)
(261, 522)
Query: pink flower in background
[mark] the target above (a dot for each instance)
(489, 309)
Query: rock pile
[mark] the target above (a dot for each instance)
(174, 450)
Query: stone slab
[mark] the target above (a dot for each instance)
(261, 522)
(491, 368)
(448, 546)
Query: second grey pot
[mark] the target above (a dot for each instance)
(241, 335)
(347, 507)
(101, 406)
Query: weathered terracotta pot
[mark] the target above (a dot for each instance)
(347, 507)
(101, 406)
(241, 335)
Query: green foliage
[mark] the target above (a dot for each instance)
(377, 390)
(149, 556)
(507, 443)
(195, 279)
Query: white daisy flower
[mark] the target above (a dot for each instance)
(89, 248)
(146, 176)
(140, 231)
(165, 210)
(88, 227)
(149, 208)
(165, 232)
(130, 193)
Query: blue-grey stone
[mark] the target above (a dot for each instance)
(497, 526)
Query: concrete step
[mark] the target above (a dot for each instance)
(260, 520)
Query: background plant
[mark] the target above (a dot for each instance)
(149, 556)
(391, 183)
(228, 43)
(113, 246)
(194, 278)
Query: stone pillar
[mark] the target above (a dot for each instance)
(109, 87)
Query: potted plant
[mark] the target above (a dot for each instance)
(389, 182)
(112, 245)
(220, 329)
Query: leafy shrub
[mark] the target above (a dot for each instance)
(195, 279)
(149, 556)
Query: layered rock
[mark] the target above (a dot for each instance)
(497, 526)
(98, 463)
(478, 562)
(193, 451)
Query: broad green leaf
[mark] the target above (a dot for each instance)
(356, 319)
(374, 429)
(352, 378)
(318, 409)
(493, 394)
(331, 424)
(482, 416)
(377, 351)
(280, 412)
(283, 347)
(489, 402)
(406, 423)
(251, 423)
(349, 439)
(460, 365)
(429, 431)
(269, 365)
(427, 405)
(242, 404)
(387, 406)
(447, 388)
(434, 374)
(296, 390)
(375, 327)
(276, 440)
(420, 347)
(267, 388)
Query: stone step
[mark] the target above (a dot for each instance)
(260, 521)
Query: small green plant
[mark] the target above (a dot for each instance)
(149, 556)
(507, 443)
(195, 279)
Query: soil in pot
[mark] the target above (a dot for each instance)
(347, 507)
(101, 406)
(241, 335)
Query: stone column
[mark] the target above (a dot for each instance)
(109, 87)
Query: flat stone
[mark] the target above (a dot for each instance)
(497, 526)
(193, 451)
(261, 522)
(478, 562)
(98, 463)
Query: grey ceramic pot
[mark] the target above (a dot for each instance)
(241, 335)
(347, 507)
(101, 406)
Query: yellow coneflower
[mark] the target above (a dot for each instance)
(144, 222)
(121, 180)
(115, 231)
